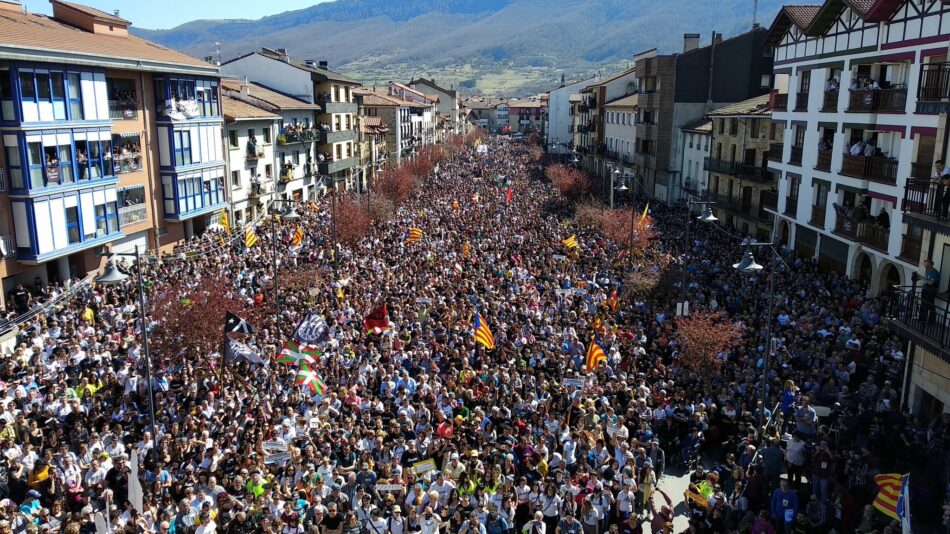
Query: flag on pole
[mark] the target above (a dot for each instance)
(223, 221)
(298, 236)
(510, 194)
(612, 301)
(466, 249)
(887, 498)
(294, 353)
(412, 235)
(595, 355)
(235, 351)
(643, 216)
(250, 238)
(135, 485)
(377, 321)
(313, 330)
(903, 505)
(482, 334)
(234, 324)
(571, 242)
(308, 378)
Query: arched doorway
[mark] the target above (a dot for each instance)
(784, 237)
(890, 278)
(864, 269)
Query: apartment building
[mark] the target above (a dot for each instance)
(109, 141)
(393, 112)
(250, 133)
(679, 89)
(745, 192)
(559, 124)
(312, 82)
(697, 143)
(526, 115)
(861, 92)
(620, 135)
(450, 118)
(374, 150)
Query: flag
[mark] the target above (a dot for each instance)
(312, 330)
(455, 204)
(250, 238)
(510, 194)
(233, 323)
(135, 485)
(571, 242)
(887, 499)
(643, 217)
(466, 249)
(412, 235)
(235, 351)
(595, 355)
(339, 292)
(613, 301)
(903, 505)
(377, 321)
(298, 237)
(308, 378)
(223, 221)
(482, 334)
(296, 353)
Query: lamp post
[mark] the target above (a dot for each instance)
(748, 265)
(291, 215)
(112, 275)
(614, 173)
(706, 217)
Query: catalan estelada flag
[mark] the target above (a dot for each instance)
(482, 334)
(886, 500)
(571, 242)
(298, 237)
(250, 238)
(466, 249)
(595, 355)
(412, 235)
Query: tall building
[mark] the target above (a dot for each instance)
(108, 141)
(559, 128)
(620, 135)
(678, 89)
(861, 92)
(313, 82)
(448, 109)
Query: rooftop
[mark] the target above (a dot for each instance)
(753, 107)
(235, 110)
(699, 126)
(265, 95)
(624, 101)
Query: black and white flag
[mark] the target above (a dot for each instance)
(233, 323)
(237, 352)
(313, 330)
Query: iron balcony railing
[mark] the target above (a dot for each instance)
(924, 197)
(781, 102)
(801, 101)
(824, 160)
(829, 103)
(795, 155)
(775, 152)
(867, 232)
(920, 313)
(934, 82)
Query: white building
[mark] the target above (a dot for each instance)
(697, 138)
(872, 72)
(448, 108)
(250, 139)
(620, 133)
(557, 131)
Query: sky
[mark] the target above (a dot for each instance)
(162, 14)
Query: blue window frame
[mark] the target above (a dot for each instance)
(107, 219)
(52, 88)
(14, 166)
(73, 230)
(74, 95)
(62, 163)
(7, 108)
(182, 140)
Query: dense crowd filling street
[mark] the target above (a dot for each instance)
(418, 427)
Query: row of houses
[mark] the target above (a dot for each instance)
(111, 141)
(825, 133)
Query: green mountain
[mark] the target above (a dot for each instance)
(490, 47)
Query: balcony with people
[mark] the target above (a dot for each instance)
(871, 155)
(933, 91)
(184, 99)
(860, 221)
(296, 133)
(878, 88)
(123, 99)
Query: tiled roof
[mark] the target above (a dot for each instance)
(372, 121)
(93, 12)
(624, 101)
(267, 95)
(758, 106)
(432, 84)
(378, 97)
(863, 7)
(30, 31)
(701, 126)
(802, 15)
(235, 109)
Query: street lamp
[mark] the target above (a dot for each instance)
(748, 265)
(613, 176)
(290, 215)
(706, 217)
(112, 275)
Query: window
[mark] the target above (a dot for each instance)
(74, 95)
(123, 101)
(72, 224)
(37, 164)
(182, 140)
(27, 87)
(765, 82)
(42, 87)
(6, 96)
(267, 135)
(236, 179)
(722, 126)
(821, 195)
(131, 196)
(296, 158)
(59, 96)
(268, 170)
(101, 228)
(65, 153)
(733, 126)
(233, 138)
(690, 136)
(799, 135)
(773, 129)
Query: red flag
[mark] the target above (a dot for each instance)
(377, 321)
(510, 194)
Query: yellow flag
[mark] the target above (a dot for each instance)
(250, 238)
(223, 221)
(339, 292)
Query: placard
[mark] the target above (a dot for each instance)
(424, 466)
(395, 488)
(279, 458)
(275, 445)
(574, 382)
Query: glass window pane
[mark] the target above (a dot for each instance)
(42, 86)
(35, 151)
(27, 89)
(58, 89)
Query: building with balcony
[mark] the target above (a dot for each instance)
(527, 115)
(697, 142)
(448, 109)
(620, 116)
(858, 91)
(312, 82)
(680, 89)
(251, 133)
(394, 112)
(740, 184)
(559, 124)
(294, 168)
(373, 149)
(84, 114)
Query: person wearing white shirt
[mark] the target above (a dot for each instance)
(430, 522)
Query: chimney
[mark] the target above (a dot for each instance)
(116, 11)
(717, 37)
(325, 65)
(311, 63)
(690, 42)
(282, 54)
(246, 87)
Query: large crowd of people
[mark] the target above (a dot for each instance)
(420, 429)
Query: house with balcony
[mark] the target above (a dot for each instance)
(526, 115)
(858, 91)
(251, 133)
(559, 117)
(312, 82)
(423, 112)
(448, 108)
(82, 140)
(620, 134)
(375, 103)
(680, 89)
(745, 192)
(293, 171)
(594, 157)
(374, 151)
(697, 143)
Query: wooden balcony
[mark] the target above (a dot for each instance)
(876, 168)
(781, 102)
(829, 103)
(801, 101)
(877, 101)
(910, 249)
(817, 217)
(824, 160)
(791, 206)
(775, 152)
(795, 155)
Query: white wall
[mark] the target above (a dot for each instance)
(559, 115)
(273, 73)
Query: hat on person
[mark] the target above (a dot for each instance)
(397, 509)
